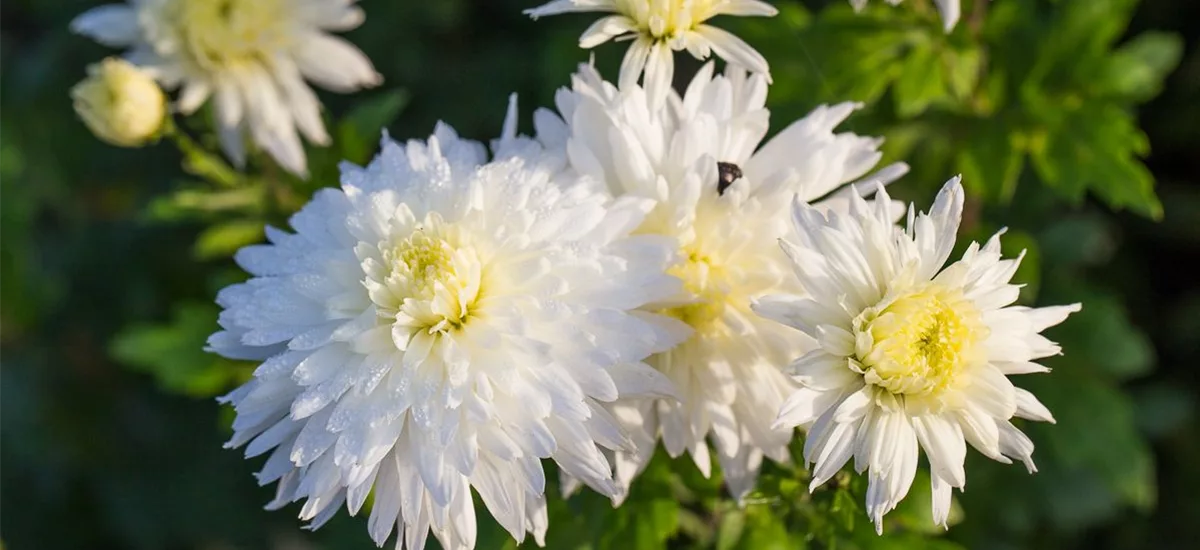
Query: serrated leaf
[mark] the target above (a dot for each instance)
(1096, 146)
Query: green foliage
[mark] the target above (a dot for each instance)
(173, 353)
(1005, 89)
(359, 130)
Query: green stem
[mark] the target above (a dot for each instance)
(199, 161)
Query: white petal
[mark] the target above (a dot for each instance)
(333, 63)
(1015, 444)
(634, 62)
(660, 72)
(1030, 408)
(113, 25)
(734, 50)
(747, 7)
(944, 446)
(555, 7)
(941, 500)
(951, 10)
(605, 29)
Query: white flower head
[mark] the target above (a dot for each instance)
(659, 28)
(439, 325)
(722, 202)
(912, 355)
(251, 56)
(950, 10)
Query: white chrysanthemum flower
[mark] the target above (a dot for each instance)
(661, 27)
(436, 326)
(723, 201)
(912, 356)
(251, 56)
(951, 10)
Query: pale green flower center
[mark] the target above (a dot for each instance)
(667, 19)
(420, 261)
(229, 33)
(919, 343)
(433, 280)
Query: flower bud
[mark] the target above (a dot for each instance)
(120, 103)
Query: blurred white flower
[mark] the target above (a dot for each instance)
(251, 56)
(437, 326)
(951, 10)
(661, 27)
(120, 103)
(912, 356)
(722, 202)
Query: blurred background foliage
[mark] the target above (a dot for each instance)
(1076, 125)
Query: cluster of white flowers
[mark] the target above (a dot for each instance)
(644, 268)
(251, 56)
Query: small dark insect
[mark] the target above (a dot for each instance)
(727, 173)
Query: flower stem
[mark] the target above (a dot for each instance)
(199, 161)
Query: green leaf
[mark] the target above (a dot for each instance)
(963, 69)
(173, 353)
(224, 239)
(199, 161)
(1136, 70)
(1096, 145)
(196, 201)
(360, 129)
(845, 509)
(655, 522)
(922, 81)
(989, 160)
(733, 524)
(765, 530)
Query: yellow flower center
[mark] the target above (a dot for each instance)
(430, 280)
(227, 33)
(705, 281)
(920, 342)
(667, 19)
(419, 261)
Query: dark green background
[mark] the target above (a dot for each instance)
(114, 442)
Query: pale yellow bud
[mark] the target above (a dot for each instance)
(120, 103)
